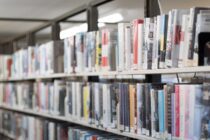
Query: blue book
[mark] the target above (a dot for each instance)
(161, 103)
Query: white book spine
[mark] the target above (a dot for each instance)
(168, 61)
(152, 92)
(182, 93)
(183, 43)
(156, 43)
(121, 44)
(127, 48)
(145, 49)
(105, 106)
(78, 99)
(140, 44)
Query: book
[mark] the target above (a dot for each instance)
(109, 43)
(176, 36)
(183, 42)
(168, 57)
(69, 58)
(137, 46)
(163, 37)
(191, 33)
(121, 45)
(161, 113)
(132, 97)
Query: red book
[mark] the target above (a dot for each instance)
(9, 67)
(105, 40)
(94, 137)
(136, 22)
(177, 111)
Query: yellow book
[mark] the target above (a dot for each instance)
(86, 102)
(98, 50)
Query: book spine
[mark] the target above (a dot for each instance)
(155, 52)
(182, 92)
(105, 49)
(98, 51)
(152, 92)
(177, 111)
(140, 44)
(132, 107)
(168, 59)
(121, 46)
(148, 109)
(187, 112)
(135, 42)
(139, 108)
(161, 112)
(127, 108)
(128, 47)
(183, 41)
(176, 35)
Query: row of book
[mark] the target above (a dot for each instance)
(23, 127)
(156, 110)
(177, 39)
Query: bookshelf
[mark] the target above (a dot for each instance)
(65, 119)
(6, 134)
(148, 73)
(168, 71)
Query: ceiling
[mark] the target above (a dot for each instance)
(167, 5)
(50, 9)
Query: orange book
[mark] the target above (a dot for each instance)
(132, 97)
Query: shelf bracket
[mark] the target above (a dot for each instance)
(92, 18)
(30, 38)
(55, 31)
(151, 8)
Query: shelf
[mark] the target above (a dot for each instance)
(60, 118)
(6, 134)
(107, 74)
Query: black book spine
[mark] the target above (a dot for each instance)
(170, 91)
(127, 108)
(143, 109)
(70, 101)
(148, 108)
(121, 104)
(156, 111)
(62, 95)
